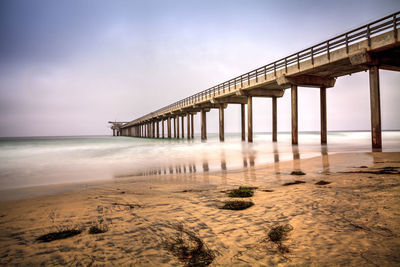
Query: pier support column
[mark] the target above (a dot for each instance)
(177, 127)
(323, 115)
(203, 125)
(274, 119)
(113, 132)
(221, 124)
(188, 125)
(162, 128)
(183, 127)
(153, 129)
(148, 130)
(250, 119)
(243, 121)
(295, 134)
(375, 98)
(158, 129)
(192, 125)
(169, 127)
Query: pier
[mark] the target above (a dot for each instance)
(371, 47)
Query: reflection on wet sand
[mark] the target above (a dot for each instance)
(276, 161)
(325, 159)
(249, 157)
(223, 161)
(296, 158)
(223, 168)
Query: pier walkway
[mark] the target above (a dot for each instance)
(368, 48)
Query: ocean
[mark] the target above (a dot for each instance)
(35, 161)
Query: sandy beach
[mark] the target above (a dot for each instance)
(354, 220)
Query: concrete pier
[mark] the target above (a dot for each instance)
(192, 125)
(169, 127)
(371, 47)
(162, 128)
(375, 99)
(183, 127)
(323, 115)
(249, 119)
(177, 127)
(243, 121)
(188, 125)
(221, 124)
(295, 134)
(203, 125)
(274, 120)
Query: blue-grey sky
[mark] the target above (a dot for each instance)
(67, 67)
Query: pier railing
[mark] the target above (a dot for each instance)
(385, 24)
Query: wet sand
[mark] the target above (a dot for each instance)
(353, 221)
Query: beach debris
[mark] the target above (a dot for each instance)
(322, 182)
(267, 190)
(193, 190)
(98, 227)
(236, 205)
(130, 206)
(52, 216)
(384, 170)
(278, 234)
(293, 183)
(297, 173)
(61, 234)
(189, 248)
(242, 191)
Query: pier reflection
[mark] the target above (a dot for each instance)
(223, 168)
(245, 158)
(325, 159)
(276, 160)
(296, 158)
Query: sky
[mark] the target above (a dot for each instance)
(67, 67)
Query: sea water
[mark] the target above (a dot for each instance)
(27, 162)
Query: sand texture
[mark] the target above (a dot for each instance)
(354, 220)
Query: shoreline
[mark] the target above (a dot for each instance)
(353, 220)
(12, 194)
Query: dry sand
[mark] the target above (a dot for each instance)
(353, 221)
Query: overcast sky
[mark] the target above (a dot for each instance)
(67, 67)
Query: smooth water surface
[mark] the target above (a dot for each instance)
(26, 162)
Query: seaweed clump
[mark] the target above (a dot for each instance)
(297, 173)
(278, 234)
(242, 191)
(189, 248)
(322, 182)
(98, 229)
(293, 183)
(237, 205)
(61, 234)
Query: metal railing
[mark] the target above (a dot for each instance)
(365, 32)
